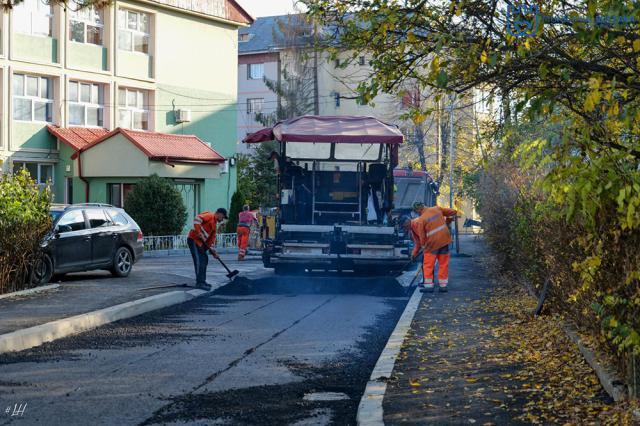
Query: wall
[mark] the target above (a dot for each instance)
(116, 156)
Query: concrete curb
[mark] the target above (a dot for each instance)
(35, 336)
(29, 291)
(370, 408)
(607, 375)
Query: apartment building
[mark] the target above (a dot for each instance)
(93, 99)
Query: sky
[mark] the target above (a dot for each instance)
(258, 8)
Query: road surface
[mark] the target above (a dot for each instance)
(261, 352)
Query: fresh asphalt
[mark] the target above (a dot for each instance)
(258, 352)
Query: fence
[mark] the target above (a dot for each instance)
(179, 242)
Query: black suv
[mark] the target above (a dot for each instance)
(89, 236)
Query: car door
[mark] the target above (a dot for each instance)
(103, 236)
(71, 242)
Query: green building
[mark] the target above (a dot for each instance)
(93, 100)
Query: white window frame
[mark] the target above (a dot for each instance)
(23, 165)
(86, 105)
(245, 37)
(252, 103)
(96, 19)
(32, 99)
(123, 26)
(250, 74)
(134, 108)
(33, 28)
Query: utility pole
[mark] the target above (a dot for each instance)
(316, 96)
(452, 139)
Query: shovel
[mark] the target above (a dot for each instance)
(231, 273)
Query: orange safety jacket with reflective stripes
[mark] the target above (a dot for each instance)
(415, 235)
(432, 228)
(204, 229)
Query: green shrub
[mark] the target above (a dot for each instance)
(237, 201)
(157, 206)
(24, 221)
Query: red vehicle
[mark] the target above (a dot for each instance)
(336, 194)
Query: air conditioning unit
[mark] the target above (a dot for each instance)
(183, 115)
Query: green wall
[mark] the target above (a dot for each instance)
(88, 56)
(35, 48)
(31, 135)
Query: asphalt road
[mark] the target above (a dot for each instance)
(258, 353)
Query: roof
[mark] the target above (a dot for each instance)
(157, 146)
(227, 10)
(337, 129)
(165, 146)
(267, 35)
(76, 137)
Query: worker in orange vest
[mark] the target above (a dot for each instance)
(201, 239)
(431, 228)
(245, 220)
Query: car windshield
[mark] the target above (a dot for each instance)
(55, 214)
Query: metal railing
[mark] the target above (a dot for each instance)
(179, 242)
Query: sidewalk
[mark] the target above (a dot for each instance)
(90, 291)
(475, 355)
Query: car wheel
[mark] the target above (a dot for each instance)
(42, 270)
(122, 262)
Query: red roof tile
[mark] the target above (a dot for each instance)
(165, 146)
(77, 137)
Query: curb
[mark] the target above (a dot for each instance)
(607, 375)
(29, 291)
(370, 408)
(35, 336)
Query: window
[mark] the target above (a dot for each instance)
(71, 221)
(133, 109)
(85, 24)
(118, 217)
(98, 218)
(255, 71)
(361, 60)
(244, 37)
(42, 173)
(34, 17)
(32, 98)
(86, 104)
(118, 193)
(254, 105)
(133, 31)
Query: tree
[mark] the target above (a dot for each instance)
(157, 206)
(237, 202)
(296, 86)
(576, 74)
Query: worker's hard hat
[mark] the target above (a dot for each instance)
(418, 205)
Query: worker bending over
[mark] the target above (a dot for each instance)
(431, 228)
(245, 220)
(201, 239)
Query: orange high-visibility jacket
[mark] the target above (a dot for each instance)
(204, 229)
(415, 235)
(432, 228)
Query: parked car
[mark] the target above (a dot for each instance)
(86, 237)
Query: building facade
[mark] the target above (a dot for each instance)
(158, 66)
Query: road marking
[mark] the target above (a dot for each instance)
(370, 410)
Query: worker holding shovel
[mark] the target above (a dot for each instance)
(201, 239)
(431, 228)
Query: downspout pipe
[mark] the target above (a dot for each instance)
(82, 178)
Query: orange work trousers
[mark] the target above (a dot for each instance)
(243, 241)
(428, 265)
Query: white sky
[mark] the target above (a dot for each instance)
(258, 8)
